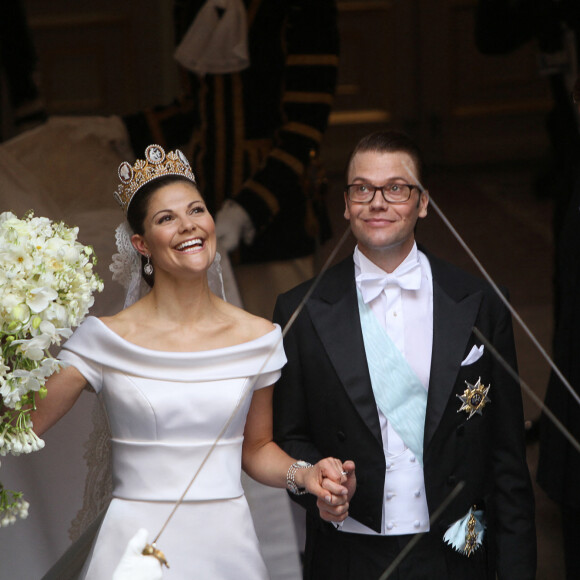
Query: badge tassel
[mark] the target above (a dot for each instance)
(466, 535)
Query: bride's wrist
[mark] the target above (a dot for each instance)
(295, 477)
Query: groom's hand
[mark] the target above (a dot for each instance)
(333, 507)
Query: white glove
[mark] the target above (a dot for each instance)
(134, 565)
(232, 224)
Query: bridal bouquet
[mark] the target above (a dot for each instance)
(46, 287)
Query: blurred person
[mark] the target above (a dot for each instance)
(559, 463)
(503, 26)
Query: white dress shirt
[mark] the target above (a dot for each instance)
(407, 316)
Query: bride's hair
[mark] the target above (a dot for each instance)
(140, 203)
(138, 210)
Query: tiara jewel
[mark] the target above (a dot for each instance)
(156, 164)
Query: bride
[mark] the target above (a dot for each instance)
(187, 382)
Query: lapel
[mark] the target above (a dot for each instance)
(455, 310)
(334, 313)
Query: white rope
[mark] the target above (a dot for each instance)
(436, 514)
(251, 384)
(512, 310)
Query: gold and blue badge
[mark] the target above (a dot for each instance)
(474, 398)
(466, 534)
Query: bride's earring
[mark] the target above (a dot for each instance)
(148, 267)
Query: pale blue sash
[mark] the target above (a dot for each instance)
(398, 392)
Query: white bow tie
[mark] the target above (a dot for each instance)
(407, 276)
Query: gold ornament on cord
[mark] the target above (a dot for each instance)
(151, 550)
(156, 164)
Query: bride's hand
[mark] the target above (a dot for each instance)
(333, 483)
(134, 565)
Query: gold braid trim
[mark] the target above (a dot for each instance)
(312, 60)
(237, 106)
(265, 194)
(220, 149)
(297, 97)
(304, 130)
(295, 164)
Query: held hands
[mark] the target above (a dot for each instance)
(134, 565)
(334, 484)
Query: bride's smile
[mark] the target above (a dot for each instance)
(190, 245)
(179, 233)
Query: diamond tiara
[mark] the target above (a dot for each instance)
(156, 164)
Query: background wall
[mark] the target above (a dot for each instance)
(409, 64)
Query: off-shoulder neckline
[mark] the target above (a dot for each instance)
(264, 338)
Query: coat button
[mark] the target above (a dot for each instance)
(341, 436)
(460, 430)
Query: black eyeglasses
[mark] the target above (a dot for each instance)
(392, 192)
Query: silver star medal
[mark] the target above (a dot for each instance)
(474, 398)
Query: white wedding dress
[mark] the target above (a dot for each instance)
(165, 410)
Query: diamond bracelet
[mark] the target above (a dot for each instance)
(290, 481)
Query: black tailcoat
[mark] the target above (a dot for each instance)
(324, 406)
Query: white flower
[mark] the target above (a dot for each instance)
(57, 314)
(7, 215)
(26, 381)
(10, 299)
(10, 396)
(33, 348)
(47, 282)
(3, 368)
(11, 505)
(49, 366)
(23, 513)
(39, 298)
(20, 312)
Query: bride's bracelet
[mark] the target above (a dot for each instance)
(291, 482)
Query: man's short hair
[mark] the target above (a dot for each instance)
(389, 142)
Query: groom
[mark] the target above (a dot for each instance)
(384, 369)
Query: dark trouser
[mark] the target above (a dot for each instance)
(335, 555)
(571, 541)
